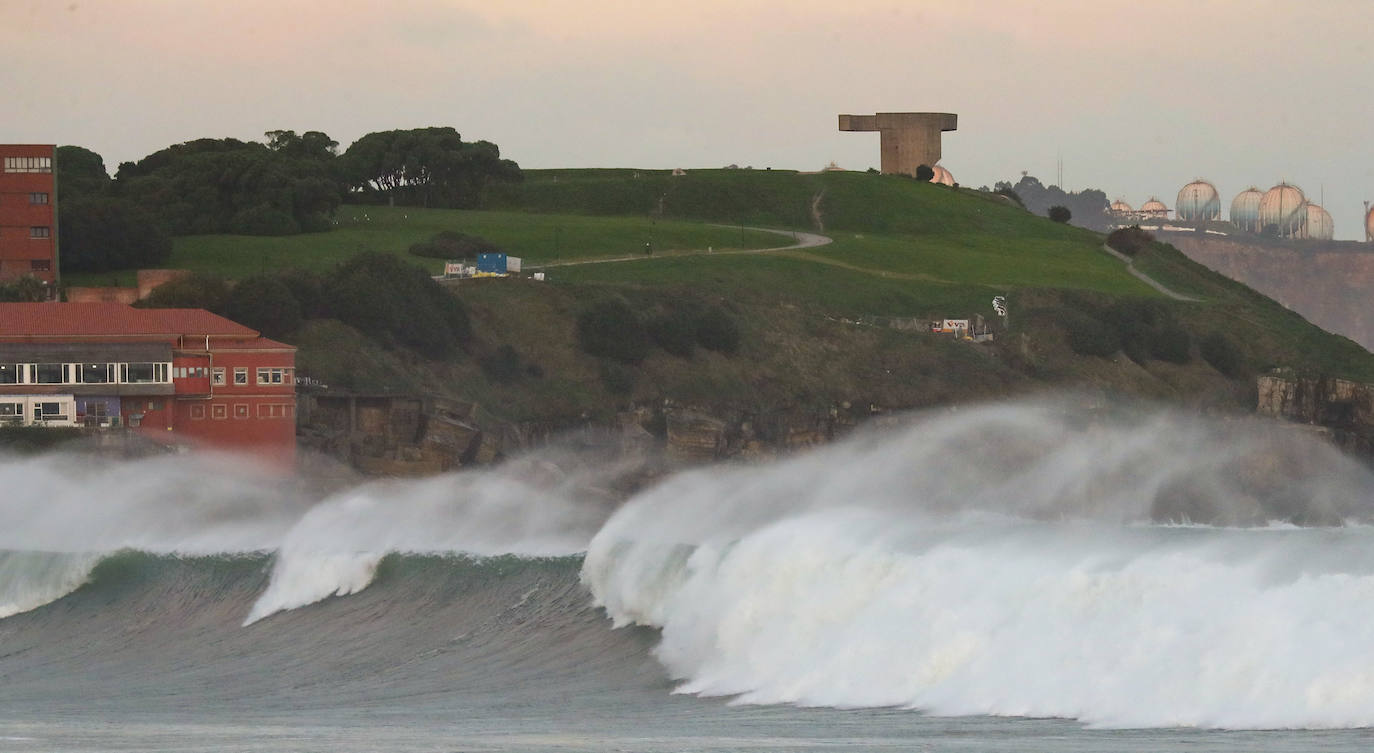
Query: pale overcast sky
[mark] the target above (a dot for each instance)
(1138, 97)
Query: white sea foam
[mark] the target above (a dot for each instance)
(61, 513)
(1002, 561)
(525, 508)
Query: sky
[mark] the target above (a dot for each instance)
(1136, 98)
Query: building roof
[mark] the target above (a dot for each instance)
(32, 320)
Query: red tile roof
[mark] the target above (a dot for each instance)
(112, 320)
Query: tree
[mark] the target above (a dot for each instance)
(101, 234)
(611, 329)
(266, 304)
(232, 186)
(309, 145)
(193, 291)
(925, 173)
(80, 174)
(429, 167)
(1060, 213)
(388, 299)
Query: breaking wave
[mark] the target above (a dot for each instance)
(1013, 560)
(1132, 570)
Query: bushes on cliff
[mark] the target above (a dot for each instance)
(1129, 240)
(396, 302)
(674, 332)
(266, 304)
(1222, 354)
(1088, 336)
(194, 291)
(717, 330)
(451, 244)
(611, 329)
(1149, 330)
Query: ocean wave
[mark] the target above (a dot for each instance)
(1004, 562)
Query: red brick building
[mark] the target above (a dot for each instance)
(28, 212)
(179, 376)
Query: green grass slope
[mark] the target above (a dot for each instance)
(814, 338)
(535, 238)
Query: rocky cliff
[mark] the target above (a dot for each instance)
(1328, 283)
(1338, 407)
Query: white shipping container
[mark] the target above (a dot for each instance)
(512, 264)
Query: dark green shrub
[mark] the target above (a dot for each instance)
(925, 173)
(611, 329)
(308, 290)
(1148, 330)
(1060, 214)
(618, 378)
(503, 365)
(26, 289)
(264, 220)
(1222, 354)
(451, 244)
(716, 330)
(676, 333)
(316, 222)
(265, 304)
(101, 234)
(1129, 240)
(194, 291)
(1088, 336)
(396, 302)
(1172, 343)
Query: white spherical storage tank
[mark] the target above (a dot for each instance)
(1198, 202)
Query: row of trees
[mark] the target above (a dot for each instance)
(1087, 208)
(394, 303)
(289, 183)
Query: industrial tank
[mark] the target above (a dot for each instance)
(942, 176)
(1282, 211)
(1319, 225)
(1197, 202)
(1245, 210)
(1155, 208)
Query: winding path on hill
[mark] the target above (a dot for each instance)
(1148, 280)
(802, 240)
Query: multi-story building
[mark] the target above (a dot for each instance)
(180, 376)
(28, 212)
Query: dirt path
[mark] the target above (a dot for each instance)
(1148, 280)
(802, 240)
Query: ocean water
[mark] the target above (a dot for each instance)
(1007, 578)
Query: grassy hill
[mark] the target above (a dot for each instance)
(814, 341)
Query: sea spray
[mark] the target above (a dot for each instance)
(62, 513)
(528, 507)
(64, 502)
(1009, 560)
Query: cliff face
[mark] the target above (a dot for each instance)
(1330, 284)
(1342, 408)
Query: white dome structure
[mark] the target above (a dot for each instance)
(1283, 211)
(1154, 208)
(1198, 202)
(1245, 210)
(1319, 225)
(1121, 207)
(942, 176)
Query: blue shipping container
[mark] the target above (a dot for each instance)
(493, 263)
